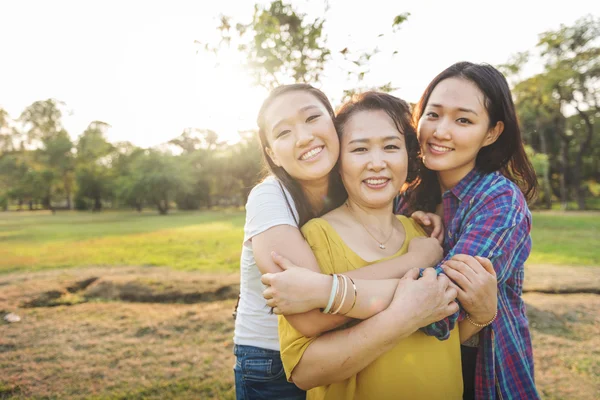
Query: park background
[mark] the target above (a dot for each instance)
(128, 147)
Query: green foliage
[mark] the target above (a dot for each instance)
(559, 107)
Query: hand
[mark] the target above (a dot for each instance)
(475, 281)
(425, 300)
(431, 223)
(295, 290)
(427, 251)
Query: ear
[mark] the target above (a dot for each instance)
(272, 156)
(494, 134)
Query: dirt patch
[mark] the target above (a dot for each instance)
(561, 279)
(131, 284)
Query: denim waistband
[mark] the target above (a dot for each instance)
(239, 349)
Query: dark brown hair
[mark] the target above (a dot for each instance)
(336, 192)
(397, 109)
(506, 154)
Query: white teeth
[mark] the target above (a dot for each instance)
(440, 148)
(311, 154)
(376, 181)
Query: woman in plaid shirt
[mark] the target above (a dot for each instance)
(477, 176)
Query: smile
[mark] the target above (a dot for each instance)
(376, 183)
(440, 149)
(311, 153)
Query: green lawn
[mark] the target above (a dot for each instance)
(211, 240)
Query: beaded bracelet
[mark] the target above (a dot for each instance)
(482, 325)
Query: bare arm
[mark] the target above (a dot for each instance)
(373, 297)
(338, 355)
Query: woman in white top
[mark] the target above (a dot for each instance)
(301, 148)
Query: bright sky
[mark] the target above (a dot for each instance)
(134, 64)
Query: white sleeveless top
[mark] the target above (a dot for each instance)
(266, 208)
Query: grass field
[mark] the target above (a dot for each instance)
(211, 241)
(98, 342)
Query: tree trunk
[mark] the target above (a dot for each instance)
(138, 206)
(97, 204)
(31, 205)
(584, 147)
(564, 164)
(546, 176)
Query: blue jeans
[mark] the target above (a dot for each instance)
(259, 374)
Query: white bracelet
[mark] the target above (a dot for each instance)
(334, 286)
(345, 285)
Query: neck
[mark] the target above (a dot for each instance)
(379, 219)
(315, 192)
(449, 179)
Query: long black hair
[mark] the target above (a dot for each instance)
(336, 192)
(506, 154)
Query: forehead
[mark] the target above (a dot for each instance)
(369, 124)
(457, 93)
(288, 105)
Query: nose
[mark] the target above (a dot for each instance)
(377, 161)
(304, 135)
(442, 130)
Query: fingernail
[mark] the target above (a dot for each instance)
(273, 254)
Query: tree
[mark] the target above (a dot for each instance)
(572, 64)
(283, 46)
(94, 177)
(156, 178)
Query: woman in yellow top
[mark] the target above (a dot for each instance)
(376, 138)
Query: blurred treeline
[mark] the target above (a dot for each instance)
(42, 167)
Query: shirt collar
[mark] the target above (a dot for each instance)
(463, 187)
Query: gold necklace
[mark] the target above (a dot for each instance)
(381, 244)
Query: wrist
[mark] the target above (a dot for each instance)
(323, 287)
(483, 319)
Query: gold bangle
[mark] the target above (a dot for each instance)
(344, 292)
(355, 296)
(337, 294)
(482, 325)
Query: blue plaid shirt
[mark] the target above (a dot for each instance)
(487, 215)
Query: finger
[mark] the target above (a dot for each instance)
(277, 311)
(421, 218)
(437, 228)
(440, 237)
(462, 268)
(272, 303)
(429, 273)
(487, 264)
(412, 274)
(267, 279)
(470, 261)
(452, 308)
(280, 260)
(268, 293)
(450, 295)
(458, 278)
(443, 280)
(459, 291)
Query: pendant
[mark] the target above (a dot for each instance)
(381, 246)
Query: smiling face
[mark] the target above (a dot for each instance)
(373, 160)
(453, 128)
(301, 136)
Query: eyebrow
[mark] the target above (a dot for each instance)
(459, 108)
(299, 111)
(368, 140)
